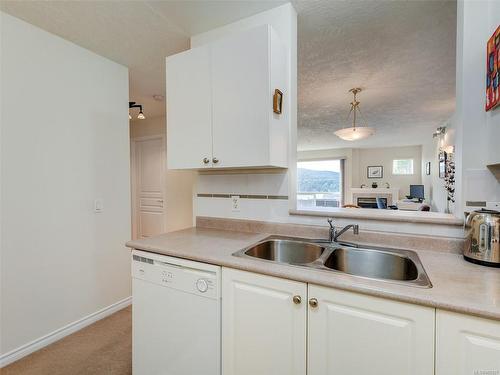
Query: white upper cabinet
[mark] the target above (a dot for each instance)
(220, 103)
(189, 109)
(351, 334)
(263, 325)
(245, 128)
(466, 345)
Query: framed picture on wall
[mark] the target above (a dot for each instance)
(442, 164)
(493, 71)
(428, 168)
(375, 171)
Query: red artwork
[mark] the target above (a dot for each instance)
(493, 71)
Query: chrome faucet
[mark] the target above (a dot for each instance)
(334, 234)
(331, 232)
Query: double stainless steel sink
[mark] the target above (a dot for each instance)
(397, 266)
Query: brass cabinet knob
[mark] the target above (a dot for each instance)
(206, 160)
(215, 160)
(313, 302)
(297, 300)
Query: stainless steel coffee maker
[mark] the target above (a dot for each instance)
(482, 244)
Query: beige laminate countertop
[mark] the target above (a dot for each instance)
(457, 285)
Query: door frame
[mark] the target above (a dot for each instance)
(133, 177)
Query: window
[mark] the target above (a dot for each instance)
(320, 184)
(402, 166)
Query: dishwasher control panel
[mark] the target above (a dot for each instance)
(183, 275)
(202, 285)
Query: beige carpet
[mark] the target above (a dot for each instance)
(104, 347)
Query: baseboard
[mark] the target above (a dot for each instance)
(58, 334)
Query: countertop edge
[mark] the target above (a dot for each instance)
(253, 266)
(391, 216)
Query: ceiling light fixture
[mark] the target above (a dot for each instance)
(354, 132)
(439, 132)
(140, 116)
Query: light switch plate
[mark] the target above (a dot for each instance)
(98, 206)
(235, 202)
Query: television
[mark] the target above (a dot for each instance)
(417, 191)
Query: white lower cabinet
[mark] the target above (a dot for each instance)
(466, 345)
(352, 334)
(264, 321)
(263, 329)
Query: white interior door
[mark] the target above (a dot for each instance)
(148, 186)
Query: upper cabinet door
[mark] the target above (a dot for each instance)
(263, 325)
(220, 103)
(351, 334)
(189, 109)
(241, 98)
(466, 345)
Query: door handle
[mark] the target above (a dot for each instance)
(206, 160)
(215, 160)
(297, 300)
(313, 302)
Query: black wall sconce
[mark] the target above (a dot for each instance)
(140, 116)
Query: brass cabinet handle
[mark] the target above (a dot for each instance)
(206, 160)
(313, 302)
(297, 300)
(215, 160)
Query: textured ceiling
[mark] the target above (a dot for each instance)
(137, 34)
(402, 53)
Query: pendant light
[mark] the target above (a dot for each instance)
(354, 132)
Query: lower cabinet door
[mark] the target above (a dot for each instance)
(467, 345)
(263, 325)
(353, 334)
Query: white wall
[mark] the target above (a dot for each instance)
(384, 157)
(358, 159)
(179, 184)
(64, 143)
(478, 132)
(434, 186)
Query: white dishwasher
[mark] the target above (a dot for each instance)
(176, 324)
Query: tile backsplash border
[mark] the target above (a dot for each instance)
(242, 196)
(267, 198)
(390, 240)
